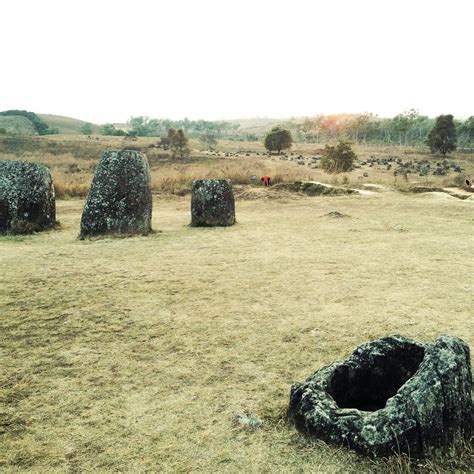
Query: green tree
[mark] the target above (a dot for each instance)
(86, 129)
(179, 143)
(278, 139)
(339, 158)
(108, 129)
(144, 126)
(442, 137)
(465, 132)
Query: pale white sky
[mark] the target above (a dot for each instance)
(104, 61)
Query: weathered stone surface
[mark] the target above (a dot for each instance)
(119, 201)
(212, 203)
(392, 395)
(27, 200)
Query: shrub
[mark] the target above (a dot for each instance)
(339, 158)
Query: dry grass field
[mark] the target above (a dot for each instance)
(72, 161)
(139, 354)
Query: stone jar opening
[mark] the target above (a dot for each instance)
(368, 385)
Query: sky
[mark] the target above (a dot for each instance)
(105, 61)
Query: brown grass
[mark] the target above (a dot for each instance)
(175, 178)
(137, 354)
(72, 160)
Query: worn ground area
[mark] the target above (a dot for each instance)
(140, 353)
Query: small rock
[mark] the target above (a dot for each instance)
(336, 214)
(248, 421)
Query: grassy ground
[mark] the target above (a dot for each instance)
(138, 354)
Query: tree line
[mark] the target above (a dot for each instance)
(149, 127)
(407, 128)
(442, 138)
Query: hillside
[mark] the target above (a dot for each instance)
(260, 126)
(66, 125)
(72, 126)
(17, 125)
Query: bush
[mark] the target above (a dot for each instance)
(339, 158)
(86, 129)
(278, 139)
(109, 130)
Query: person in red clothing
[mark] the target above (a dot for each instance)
(266, 180)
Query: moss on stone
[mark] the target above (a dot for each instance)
(119, 201)
(212, 203)
(27, 199)
(392, 395)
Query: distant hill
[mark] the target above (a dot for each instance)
(260, 126)
(67, 125)
(71, 126)
(17, 125)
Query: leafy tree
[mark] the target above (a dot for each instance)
(278, 139)
(208, 141)
(108, 129)
(361, 127)
(3, 131)
(86, 129)
(179, 143)
(465, 132)
(144, 126)
(339, 158)
(442, 137)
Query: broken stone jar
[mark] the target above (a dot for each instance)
(393, 395)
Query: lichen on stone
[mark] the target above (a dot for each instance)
(119, 201)
(212, 203)
(392, 395)
(27, 199)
